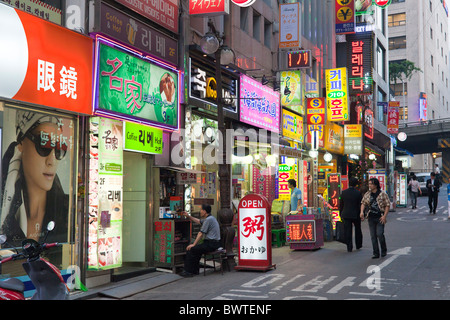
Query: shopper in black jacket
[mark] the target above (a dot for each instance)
(350, 205)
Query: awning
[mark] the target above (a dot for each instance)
(179, 169)
(404, 151)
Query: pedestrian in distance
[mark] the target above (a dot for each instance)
(349, 208)
(448, 197)
(210, 232)
(433, 185)
(415, 189)
(296, 195)
(378, 204)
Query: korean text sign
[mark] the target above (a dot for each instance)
(45, 64)
(133, 88)
(337, 100)
(141, 138)
(359, 63)
(254, 232)
(260, 105)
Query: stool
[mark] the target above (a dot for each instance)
(279, 237)
(218, 255)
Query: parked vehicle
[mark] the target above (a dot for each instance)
(45, 277)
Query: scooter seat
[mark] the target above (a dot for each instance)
(12, 284)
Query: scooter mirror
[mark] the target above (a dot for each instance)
(51, 225)
(2, 238)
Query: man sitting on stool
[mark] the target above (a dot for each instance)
(211, 231)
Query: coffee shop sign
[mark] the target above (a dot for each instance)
(206, 86)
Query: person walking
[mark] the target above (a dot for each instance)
(448, 197)
(415, 189)
(210, 231)
(349, 207)
(377, 201)
(433, 185)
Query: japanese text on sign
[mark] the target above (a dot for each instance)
(301, 231)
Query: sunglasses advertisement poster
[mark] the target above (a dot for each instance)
(105, 193)
(131, 87)
(38, 172)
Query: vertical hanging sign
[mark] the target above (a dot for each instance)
(337, 101)
(254, 233)
(289, 25)
(393, 115)
(345, 16)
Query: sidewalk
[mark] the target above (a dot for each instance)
(132, 286)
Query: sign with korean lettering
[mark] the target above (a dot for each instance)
(360, 63)
(393, 117)
(337, 94)
(38, 8)
(45, 64)
(289, 25)
(353, 139)
(163, 241)
(292, 126)
(137, 34)
(319, 132)
(254, 233)
(186, 178)
(133, 88)
(301, 231)
(423, 106)
(259, 105)
(141, 138)
(315, 111)
(162, 12)
(345, 16)
(292, 91)
(105, 193)
(209, 7)
(285, 173)
(334, 190)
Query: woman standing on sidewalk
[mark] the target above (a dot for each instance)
(415, 188)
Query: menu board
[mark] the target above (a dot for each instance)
(105, 193)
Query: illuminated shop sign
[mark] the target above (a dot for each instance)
(334, 190)
(359, 64)
(393, 117)
(337, 102)
(423, 106)
(208, 7)
(345, 16)
(299, 59)
(136, 88)
(301, 231)
(203, 86)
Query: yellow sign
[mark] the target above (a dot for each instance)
(337, 92)
(292, 126)
(334, 138)
(353, 131)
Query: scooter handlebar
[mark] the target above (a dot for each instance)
(51, 245)
(12, 258)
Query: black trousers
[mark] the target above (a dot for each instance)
(193, 256)
(432, 201)
(348, 231)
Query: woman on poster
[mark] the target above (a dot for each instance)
(32, 194)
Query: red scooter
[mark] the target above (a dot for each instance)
(45, 277)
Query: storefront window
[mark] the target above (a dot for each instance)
(38, 177)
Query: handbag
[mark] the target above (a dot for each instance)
(340, 234)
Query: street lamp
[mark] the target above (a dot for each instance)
(212, 43)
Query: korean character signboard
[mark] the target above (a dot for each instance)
(353, 139)
(45, 64)
(359, 63)
(337, 94)
(254, 233)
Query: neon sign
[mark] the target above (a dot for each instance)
(301, 231)
(299, 59)
(337, 102)
(359, 64)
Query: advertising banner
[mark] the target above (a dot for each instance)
(292, 91)
(353, 139)
(334, 138)
(141, 138)
(360, 63)
(345, 16)
(292, 126)
(315, 111)
(260, 105)
(133, 88)
(105, 193)
(289, 25)
(44, 64)
(393, 117)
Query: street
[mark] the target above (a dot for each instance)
(415, 268)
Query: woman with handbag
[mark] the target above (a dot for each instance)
(378, 203)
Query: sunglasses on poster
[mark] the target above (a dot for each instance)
(45, 146)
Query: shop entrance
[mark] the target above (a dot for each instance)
(135, 213)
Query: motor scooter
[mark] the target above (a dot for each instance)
(45, 277)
